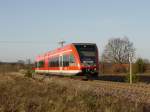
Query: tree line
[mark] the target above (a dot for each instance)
(120, 50)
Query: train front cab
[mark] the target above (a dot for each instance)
(88, 56)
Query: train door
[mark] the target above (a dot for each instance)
(65, 62)
(61, 63)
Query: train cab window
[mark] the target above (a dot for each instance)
(72, 60)
(87, 52)
(65, 60)
(40, 64)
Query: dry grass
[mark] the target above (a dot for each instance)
(8, 68)
(22, 94)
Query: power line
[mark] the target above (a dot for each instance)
(24, 42)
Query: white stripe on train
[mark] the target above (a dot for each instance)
(66, 72)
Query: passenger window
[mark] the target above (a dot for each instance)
(35, 65)
(40, 64)
(60, 62)
(72, 60)
(65, 60)
(54, 62)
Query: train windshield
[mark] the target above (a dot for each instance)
(87, 53)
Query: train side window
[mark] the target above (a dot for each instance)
(72, 60)
(57, 62)
(65, 60)
(40, 64)
(60, 62)
(35, 65)
(50, 62)
(54, 62)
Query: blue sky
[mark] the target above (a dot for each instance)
(43, 23)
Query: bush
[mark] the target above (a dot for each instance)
(135, 78)
(29, 73)
(139, 65)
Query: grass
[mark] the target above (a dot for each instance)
(23, 94)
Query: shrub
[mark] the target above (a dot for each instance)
(135, 78)
(29, 73)
(140, 65)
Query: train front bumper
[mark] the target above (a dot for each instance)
(89, 70)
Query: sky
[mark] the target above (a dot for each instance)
(31, 27)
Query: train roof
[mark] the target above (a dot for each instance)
(65, 46)
(83, 43)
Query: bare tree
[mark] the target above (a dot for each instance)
(118, 50)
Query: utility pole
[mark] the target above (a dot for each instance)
(130, 60)
(61, 43)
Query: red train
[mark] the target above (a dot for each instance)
(73, 59)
